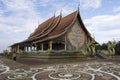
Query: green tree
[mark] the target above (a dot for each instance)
(117, 48)
(104, 46)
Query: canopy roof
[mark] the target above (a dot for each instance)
(54, 27)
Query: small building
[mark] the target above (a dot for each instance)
(57, 33)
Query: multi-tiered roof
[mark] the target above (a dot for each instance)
(54, 27)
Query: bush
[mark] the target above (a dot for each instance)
(117, 48)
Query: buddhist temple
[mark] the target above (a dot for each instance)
(57, 33)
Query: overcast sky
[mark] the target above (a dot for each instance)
(19, 18)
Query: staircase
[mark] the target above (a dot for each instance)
(102, 56)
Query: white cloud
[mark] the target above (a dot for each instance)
(19, 15)
(104, 25)
(18, 4)
(1, 12)
(22, 16)
(110, 32)
(66, 7)
(90, 3)
(18, 19)
(104, 20)
(5, 43)
(44, 2)
(65, 11)
(17, 24)
(117, 9)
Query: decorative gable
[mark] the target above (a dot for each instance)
(76, 35)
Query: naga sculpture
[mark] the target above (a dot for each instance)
(111, 48)
(91, 46)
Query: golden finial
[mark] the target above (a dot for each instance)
(78, 5)
(61, 12)
(54, 13)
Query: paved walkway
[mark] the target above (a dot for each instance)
(79, 70)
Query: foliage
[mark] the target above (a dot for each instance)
(104, 47)
(101, 47)
(117, 48)
(7, 53)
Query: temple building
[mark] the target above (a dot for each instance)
(56, 33)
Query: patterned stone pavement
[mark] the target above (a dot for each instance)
(91, 70)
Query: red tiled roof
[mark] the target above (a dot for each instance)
(41, 27)
(54, 22)
(64, 23)
(54, 27)
(61, 27)
(48, 30)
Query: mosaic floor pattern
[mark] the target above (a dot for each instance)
(75, 71)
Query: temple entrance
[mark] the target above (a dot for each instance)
(46, 46)
(58, 46)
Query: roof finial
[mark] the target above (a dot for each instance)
(93, 35)
(54, 13)
(61, 12)
(78, 5)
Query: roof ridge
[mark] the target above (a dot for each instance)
(51, 28)
(44, 28)
(77, 12)
(57, 30)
